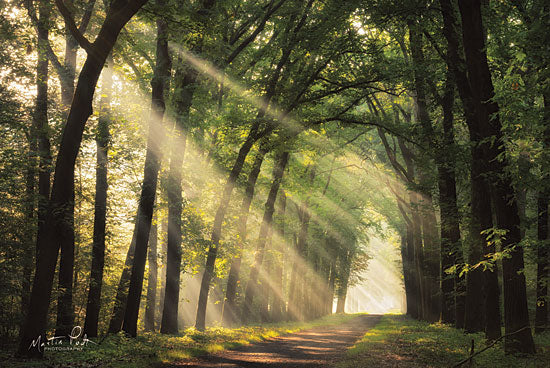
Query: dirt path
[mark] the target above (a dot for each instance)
(318, 347)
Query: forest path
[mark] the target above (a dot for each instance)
(317, 347)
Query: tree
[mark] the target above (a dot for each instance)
(55, 227)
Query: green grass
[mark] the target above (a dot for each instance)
(151, 349)
(401, 341)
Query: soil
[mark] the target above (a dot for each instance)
(318, 347)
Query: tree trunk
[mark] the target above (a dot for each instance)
(278, 309)
(451, 306)
(185, 80)
(516, 315)
(541, 313)
(151, 306)
(431, 259)
(163, 252)
(117, 316)
(153, 159)
(251, 287)
(100, 208)
(229, 313)
(55, 228)
(200, 323)
(345, 268)
(39, 144)
(65, 310)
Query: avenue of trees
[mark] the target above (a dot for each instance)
(175, 163)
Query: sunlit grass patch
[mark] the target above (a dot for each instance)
(404, 342)
(152, 349)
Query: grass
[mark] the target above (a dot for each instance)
(153, 349)
(403, 342)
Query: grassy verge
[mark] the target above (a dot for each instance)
(404, 342)
(152, 349)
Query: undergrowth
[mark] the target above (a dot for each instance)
(154, 349)
(399, 341)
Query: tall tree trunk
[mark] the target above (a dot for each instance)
(100, 208)
(39, 144)
(29, 243)
(343, 277)
(265, 277)
(65, 309)
(163, 252)
(117, 316)
(55, 228)
(229, 313)
(516, 314)
(278, 309)
(429, 226)
(541, 312)
(251, 287)
(451, 305)
(185, 80)
(151, 306)
(298, 277)
(481, 207)
(153, 159)
(431, 259)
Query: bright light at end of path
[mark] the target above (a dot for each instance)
(381, 290)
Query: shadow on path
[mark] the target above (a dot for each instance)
(318, 347)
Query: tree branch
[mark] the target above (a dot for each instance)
(86, 17)
(71, 26)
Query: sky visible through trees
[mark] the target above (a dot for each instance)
(169, 164)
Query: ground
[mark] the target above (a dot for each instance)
(317, 347)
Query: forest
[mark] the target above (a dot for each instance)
(177, 173)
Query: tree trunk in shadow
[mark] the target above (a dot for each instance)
(150, 177)
(265, 228)
(229, 313)
(100, 208)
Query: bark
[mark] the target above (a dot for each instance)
(185, 84)
(431, 259)
(541, 312)
(40, 119)
(265, 227)
(185, 80)
(67, 270)
(117, 316)
(163, 251)
(480, 208)
(278, 309)
(516, 315)
(29, 244)
(229, 313)
(153, 159)
(264, 284)
(343, 279)
(151, 306)
(431, 249)
(298, 277)
(39, 144)
(451, 306)
(100, 207)
(55, 228)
